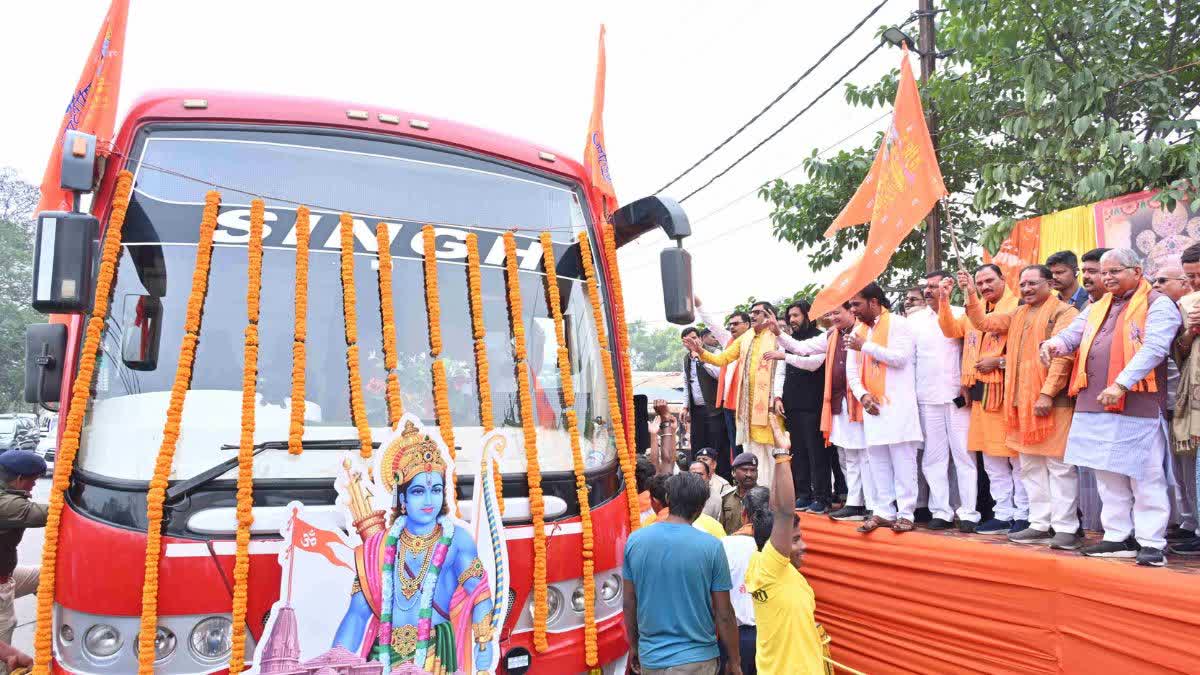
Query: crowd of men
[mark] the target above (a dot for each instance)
(1034, 415)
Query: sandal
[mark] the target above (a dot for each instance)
(873, 523)
(903, 525)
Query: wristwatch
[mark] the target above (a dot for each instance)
(1121, 387)
(1003, 362)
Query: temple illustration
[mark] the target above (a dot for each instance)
(281, 654)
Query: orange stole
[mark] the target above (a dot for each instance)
(873, 372)
(1130, 331)
(853, 407)
(1026, 375)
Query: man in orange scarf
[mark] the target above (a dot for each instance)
(983, 378)
(1038, 407)
(841, 413)
(1120, 384)
(882, 376)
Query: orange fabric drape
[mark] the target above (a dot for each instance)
(1020, 249)
(926, 603)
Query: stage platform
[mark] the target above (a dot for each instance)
(945, 602)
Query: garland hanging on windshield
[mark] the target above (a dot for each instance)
(486, 413)
(245, 479)
(554, 301)
(387, 319)
(166, 451)
(296, 428)
(441, 395)
(624, 453)
(358, 409)
(537, 507)
(622, 337)
(80, 392)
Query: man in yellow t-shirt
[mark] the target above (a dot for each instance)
(784, 603)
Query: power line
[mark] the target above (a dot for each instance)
(786, 124)
(779, 97)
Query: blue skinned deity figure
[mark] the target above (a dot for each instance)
(421, 595)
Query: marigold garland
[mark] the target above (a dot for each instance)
(245, 479)
(387, 318)
(537, 507)
(80, 392)
(166, 451)
(358, 409)
(441, 394)
(554, 302)
(487, 416)
(624, 453)
(299, 357)
(618, 298)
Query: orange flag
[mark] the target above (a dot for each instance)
(1020, 249)
(93, 106)
(313, 539)
(903, 185)
(595, 157)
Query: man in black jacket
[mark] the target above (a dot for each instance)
(803, 395)
(700, 388)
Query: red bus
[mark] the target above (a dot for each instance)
(383, 165)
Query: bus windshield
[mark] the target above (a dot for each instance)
(401, 185)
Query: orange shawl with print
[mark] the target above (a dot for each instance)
(1127, 340)
(977, 344)
(1026, 375)
(853, 407)
(873, 372)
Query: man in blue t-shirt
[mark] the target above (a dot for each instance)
(677, 590)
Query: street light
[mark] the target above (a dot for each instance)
(897, 38)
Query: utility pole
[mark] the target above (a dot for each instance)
(927, 47)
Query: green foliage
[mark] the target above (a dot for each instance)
(655, 349)
(1042, 105)
(17, 201)
(807, 292)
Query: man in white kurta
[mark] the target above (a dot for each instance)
(891, 425)
(844, 433)
(944, 423)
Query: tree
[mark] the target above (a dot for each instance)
(1043, 105)
(655, 350)
(17, 202)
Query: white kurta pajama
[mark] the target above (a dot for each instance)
(1129, 454)
(847, 436)
(894, 434)
(943, 424)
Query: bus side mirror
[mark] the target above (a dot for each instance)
(62, 262)
(143, 321)
(676, 264)
(638, 217)
(45, 349)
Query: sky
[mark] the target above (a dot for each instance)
(681, 77)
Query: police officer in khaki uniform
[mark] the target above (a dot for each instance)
(19, 471)
(745, 477)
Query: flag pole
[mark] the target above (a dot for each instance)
(953, 236)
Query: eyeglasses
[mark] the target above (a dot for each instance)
(1114, 271)
(1163, 280)
(757, 312)
(734, 324)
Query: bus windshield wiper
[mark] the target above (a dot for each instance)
(201, 479)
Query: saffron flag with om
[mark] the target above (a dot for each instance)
(93, 105)
(306, 537)
(595, 156)
(904, 183)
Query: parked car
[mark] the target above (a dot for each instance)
(17, 432)
(47, 447)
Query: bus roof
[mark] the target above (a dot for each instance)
(223, 106)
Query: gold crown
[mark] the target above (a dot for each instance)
(410, 454)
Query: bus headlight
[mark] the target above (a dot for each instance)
(102, 641)
(164, 644)
(66, 634)
(611, 588)
(212, 638)
(554, 604)
(577, 600)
